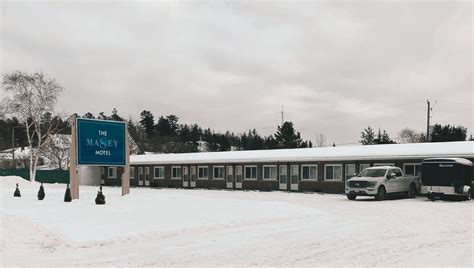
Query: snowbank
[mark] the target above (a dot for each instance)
(9, 182)
(166, 227)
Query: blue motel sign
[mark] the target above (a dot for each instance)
(100, 142)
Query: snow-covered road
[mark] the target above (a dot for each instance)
(167, 227)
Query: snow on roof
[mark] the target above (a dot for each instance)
(461, 161)
(362, 152)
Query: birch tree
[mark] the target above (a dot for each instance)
(320, 140)
(32, 97)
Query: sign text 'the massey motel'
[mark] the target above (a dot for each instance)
(100, 142)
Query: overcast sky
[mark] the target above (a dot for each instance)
(336, 67)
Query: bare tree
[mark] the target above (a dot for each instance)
(320, 140)
(56, 151)
(32, 99)
(408, 135)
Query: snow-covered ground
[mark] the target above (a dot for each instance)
(167, 227)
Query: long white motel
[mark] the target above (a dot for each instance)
(310, 169)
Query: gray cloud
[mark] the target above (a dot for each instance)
(232, 65)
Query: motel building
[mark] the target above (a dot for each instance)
(322, 169)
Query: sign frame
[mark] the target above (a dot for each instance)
(74, 156)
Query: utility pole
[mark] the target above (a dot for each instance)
(428, 121)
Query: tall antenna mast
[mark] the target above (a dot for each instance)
(282, 115)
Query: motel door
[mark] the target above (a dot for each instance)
(230, 177)
(283, 177)
(140, 176)
(238, 177)
(294, 177)
(102, 175)
(193, 177)
(185, 177)
(147, 176)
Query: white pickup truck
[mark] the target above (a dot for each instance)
(380, 181)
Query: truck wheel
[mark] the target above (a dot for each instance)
(381, 193)
(351, 197)
(431, 197)
(412, 192)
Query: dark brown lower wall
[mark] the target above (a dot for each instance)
(321, 186)
(261, 185)
(166, 183)
(210, 184)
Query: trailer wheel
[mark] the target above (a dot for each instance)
(431, 197)
(412, 191)
(381, 193)
(351, 197)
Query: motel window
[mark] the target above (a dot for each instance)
(333, 172)
(112, 172)
(203, 172)
(350, 171)
(412, 169)
(250, 172)
(219, 172)
(269, 172)
(176, 173)
(132, 172)
(309, 172)
(363, 166)
(159, 172)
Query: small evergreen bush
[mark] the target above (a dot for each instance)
(100, 199)
(67, 195)
(41, 192)
(17, 192)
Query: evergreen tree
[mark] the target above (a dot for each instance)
(67, 195)
(448, 133)
(17, 192)
(100, 199)
(115, 115)
(383, 138)
(88, 115)
(367, 136)
(287, 137)
(147, 121)
(271, 143)
(102, 116)
(41, 192)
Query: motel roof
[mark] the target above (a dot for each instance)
(464, 149)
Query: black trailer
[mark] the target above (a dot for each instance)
(446, 176)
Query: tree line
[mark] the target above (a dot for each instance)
(167, 134)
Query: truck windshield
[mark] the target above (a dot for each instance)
(379, 172)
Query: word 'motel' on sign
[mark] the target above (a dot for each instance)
(100, 142)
